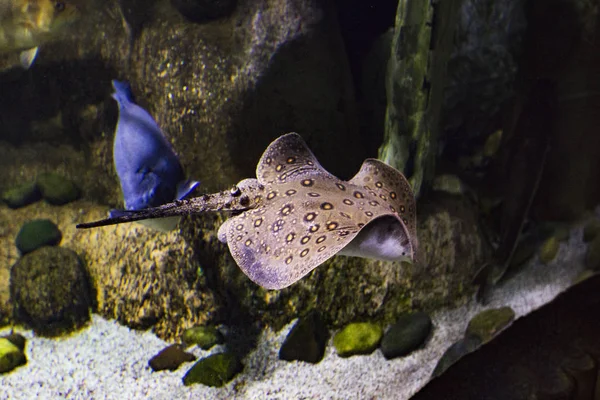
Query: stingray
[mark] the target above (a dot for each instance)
(295, 215)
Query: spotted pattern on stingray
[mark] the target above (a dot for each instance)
(311, 200)
(326, 206)
(287, 209)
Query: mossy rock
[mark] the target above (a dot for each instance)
(357, 338)
(37, 233)
(455, 352)
(592, 257)
(488, 323)
(16, 339)
(56, 189)
(549, 250)
(306, 341)
(204, 337)
(215, 370)
(21, 195)
(10, 356)
(407, 334)
(51, 291)
(591, 230)
(170, 358)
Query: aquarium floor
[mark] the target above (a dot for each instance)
(109, 361)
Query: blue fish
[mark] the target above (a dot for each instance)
(149, 170)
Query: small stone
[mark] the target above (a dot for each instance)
(585, 274)
(492, 144)
(16, 339)
(549, 250)
(488, 323)
(204, 337)
(170, 358)
(56, 189)
(592, 256)
(37, 233)
(215, 370)
(455, 352)
(406, 335)
(22, 195)
(591, 230)
(306, 341)
(357, 338)
(10, 356)
(50, 290)
(448, 183)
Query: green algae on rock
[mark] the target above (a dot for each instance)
(407, 334)
(306, 341)
(10, 356)
(21, 195)
(215, 370)
(549, 250)
(37, 233)
(56, 189)
(592, 256)
(205, 336)
(591, 230)
(16, 339)
(357, 338)
(488, 323)
(50, 290)
(170, 358)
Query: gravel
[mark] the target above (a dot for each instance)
(108, 361)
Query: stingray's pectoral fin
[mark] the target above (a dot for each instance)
(180, 207)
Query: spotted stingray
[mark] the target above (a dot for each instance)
(295, 215)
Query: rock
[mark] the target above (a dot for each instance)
(37, 233)
(215, 370)
(415, 87)
(357, 338)
(583, 275)
(16, 339)
(204, 10)
(21, 195)
(56, 189)
(592, 256)
(306, 341)
(407, 334)
(204, 337)
(481, 72)
(591, 230)
(448, 183)
(170, 358)
(455, 352)
(488, 323)
(549, 250)
(51, 291)
(10, 356)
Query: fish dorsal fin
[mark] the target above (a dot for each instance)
(288, 158)
(390, 186)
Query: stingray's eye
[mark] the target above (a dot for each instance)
(59, 6)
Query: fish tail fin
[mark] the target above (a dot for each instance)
(185, 188)
(123, 93)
